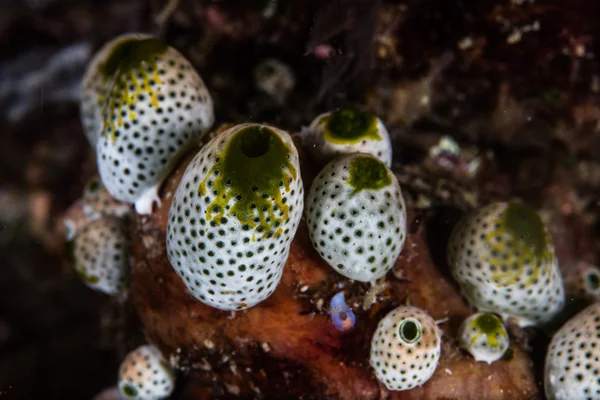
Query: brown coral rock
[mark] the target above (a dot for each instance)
(287, 347)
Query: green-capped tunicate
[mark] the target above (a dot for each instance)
(234, 214)
(503, 259)
(348, 130)
(142, 105)
(356, 216)
(484, 336)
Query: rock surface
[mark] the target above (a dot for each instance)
(288, 346)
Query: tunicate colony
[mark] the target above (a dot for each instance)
(239, 204)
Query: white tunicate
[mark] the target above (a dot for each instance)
(572, 368)
(405, 349)
(145, 375)
(143, 106)
(484, 336)
(356, 216)
(503, 259)
(274, 78)
(234, 215)
(101, 253)
(347, 130)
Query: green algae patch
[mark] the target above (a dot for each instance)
(526, 225)
(519, 242)
(130, 53)
(131, 72)
(349, 125)
(490, 325)
(368, 173)
(249, 178)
